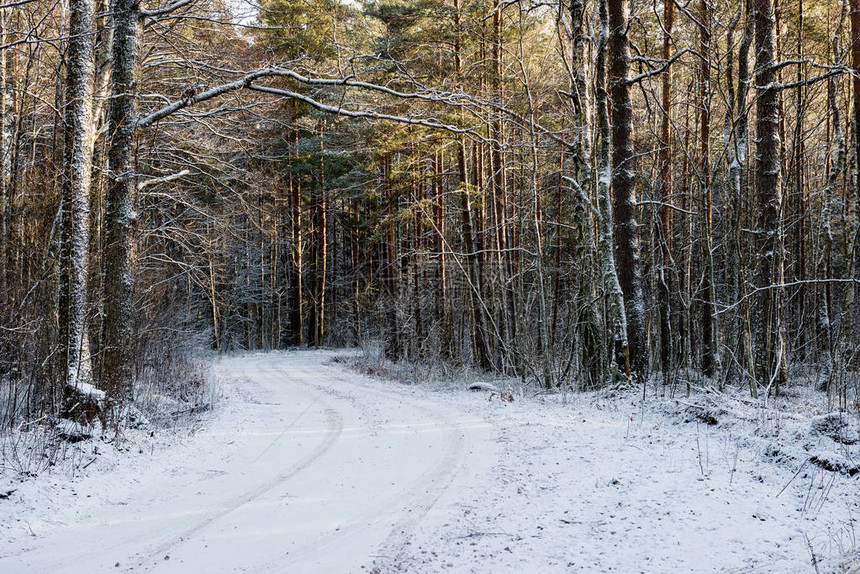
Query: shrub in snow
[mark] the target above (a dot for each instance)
(83, 403)
(834, 426)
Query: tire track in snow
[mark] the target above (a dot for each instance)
(334, 429)
(411, 504)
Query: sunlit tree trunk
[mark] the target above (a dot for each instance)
(296, 294)
(391, 269)
(801, 324)
(319, 254)
(499, 203)
(443, 296)
(77, 177)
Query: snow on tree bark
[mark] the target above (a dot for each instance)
(119, 216)
(624, 193)
(76, 180)
(614, 293)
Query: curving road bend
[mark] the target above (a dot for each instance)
(311, 469)
(306, 467)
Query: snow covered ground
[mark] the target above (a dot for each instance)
(306, 466)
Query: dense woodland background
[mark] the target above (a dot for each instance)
(572, 192)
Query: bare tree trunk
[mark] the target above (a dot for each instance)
(443, 303)
(664, 288)
(770, 348)
(5, 156)
(852, 223)
(735, 138)
(546, 350)
(592, 348)
(710, 357)
(319, 255)
(614, 292)
(736, 135)
(479, 334)
(624, 193)
(837, 167)
(296, 295)
(801, 323)
(213, 291)
(355, 255)
(499, 206)
(77, 176)
(117, 346)
(415, 295)
(391, 265)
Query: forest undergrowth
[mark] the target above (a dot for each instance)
(170, 398)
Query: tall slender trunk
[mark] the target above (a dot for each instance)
(415, 298)
(611, 284)
(499, 204)
(836, 169)
(770, 348)
(4, 162)
(443, 303)
(479, 334)
(852, 222)
(355, 255)
(710, 357)
(624, 193)
(664, 288)
(296, 295)
(117, 345)
(546, 351)
(319, 254)
(737, 121)
(391, 266)
(592, 348)
(800, 193)
(77, 177)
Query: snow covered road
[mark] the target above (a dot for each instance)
(309, 467)
(312, 469)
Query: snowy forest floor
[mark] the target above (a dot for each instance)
(303, 465)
